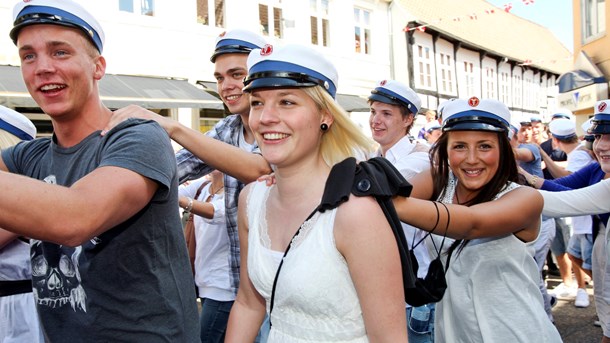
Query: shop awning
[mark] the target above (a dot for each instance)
(119, 91)
(353, 103)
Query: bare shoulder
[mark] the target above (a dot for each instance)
(359, 219)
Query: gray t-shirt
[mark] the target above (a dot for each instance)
(132, 283)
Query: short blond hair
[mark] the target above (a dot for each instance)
(344, 138)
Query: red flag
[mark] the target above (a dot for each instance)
(508, 7)
(456, 19)
(490, 11)
(421, 28)
(473, 16)
(527, 2)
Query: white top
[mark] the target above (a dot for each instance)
(408, 162)
(315, 297)
(212, 246)
(492, 293)
(578, 159)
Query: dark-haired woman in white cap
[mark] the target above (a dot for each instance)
(18, 317)
(492, 280)
(341, 278)
(592, 200)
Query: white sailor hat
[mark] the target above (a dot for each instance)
(396, 93)
(586, 126)
(515, 126)
(562, 128)
(237, 41)
(476, 114)
(290, 66)
(57, 12)
(563, 113)
(601, 119)
(535, 119)
(432, 125)
(16, 124)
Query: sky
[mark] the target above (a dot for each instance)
(556, 15)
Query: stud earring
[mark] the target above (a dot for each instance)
(324, 127)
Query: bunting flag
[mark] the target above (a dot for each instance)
(507, 7)
(527, 2)
(490, 11)
(472, 16)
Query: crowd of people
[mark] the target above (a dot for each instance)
(272, 260)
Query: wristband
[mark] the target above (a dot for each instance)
(189, 205)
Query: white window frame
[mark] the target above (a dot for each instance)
(517, 87)
(505, 86)
(138, 7)
(424, 66)
(593, 19)
(212, 13)
(364, 26)
(490, 79)
(319, 9)
(272, 5)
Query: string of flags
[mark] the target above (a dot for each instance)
(472, 16)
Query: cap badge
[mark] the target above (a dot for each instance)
(602, 106)
(222, 34)
(382, 83)
(267, 50)
(326, 85)
(473, 102)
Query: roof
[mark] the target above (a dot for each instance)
(490, 28)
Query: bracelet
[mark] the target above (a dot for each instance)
(189, 205)
(534, 181)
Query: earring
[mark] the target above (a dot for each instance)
(324, 127)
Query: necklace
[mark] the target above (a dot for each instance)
(213, 193)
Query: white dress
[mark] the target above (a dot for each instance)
(315, 299)
(492, 292)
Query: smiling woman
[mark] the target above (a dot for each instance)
(492, 279)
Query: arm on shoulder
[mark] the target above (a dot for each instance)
(364, 237)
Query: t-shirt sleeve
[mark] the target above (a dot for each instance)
(588, 200)
(142, 147)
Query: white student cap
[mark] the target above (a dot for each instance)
(476, 114)
(563, 113)
(515, 126)
(57, 12)
(586, 126)
(601, 119)
(16, 124)
(237, 41)
(562, 128)
(535, 119)
(432, 125)
(396, 93)
(290, 66)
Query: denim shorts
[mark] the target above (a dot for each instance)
(420, 323)
(581, 247)
(562, 237)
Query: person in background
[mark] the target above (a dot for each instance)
(18, 317)
(524, 136)
(528, 158)
(592, 200)
(204, 198)
(580, 241)
(230, 146)
(492, 280)
(107, 250)
(539, 132)
(393, 108)
(341, 280)
(433, 131)
(430, 117)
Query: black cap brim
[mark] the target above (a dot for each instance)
(229, 51)
(600, 127)
(275, 82)
(381, 98)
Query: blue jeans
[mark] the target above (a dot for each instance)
(263, 333)
(214, 319)
(420, 323)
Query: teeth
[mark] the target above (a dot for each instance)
(232, 97)
(472, 172)
(272, 136)
(51, 87)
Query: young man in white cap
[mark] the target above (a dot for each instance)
(229, 147)
(107, 251)
(432, 131)
(18, 318)
(393, 109)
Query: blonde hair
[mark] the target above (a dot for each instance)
(344, 138)
(8, 139)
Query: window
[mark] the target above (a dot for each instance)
(490, 83)
(362, 31)
(446, 68)
(424, 64)
(469, 79)
(517, 89)
(143, 7)
(593, 19)
(211, 12)
(270, 19)
(505, 87)
(319, 22)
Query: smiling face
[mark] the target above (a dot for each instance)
(474, 157)
(601, 148)
(388, 124)
(60, 68)
(229, 72)
(525, 134)
(286, 124)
